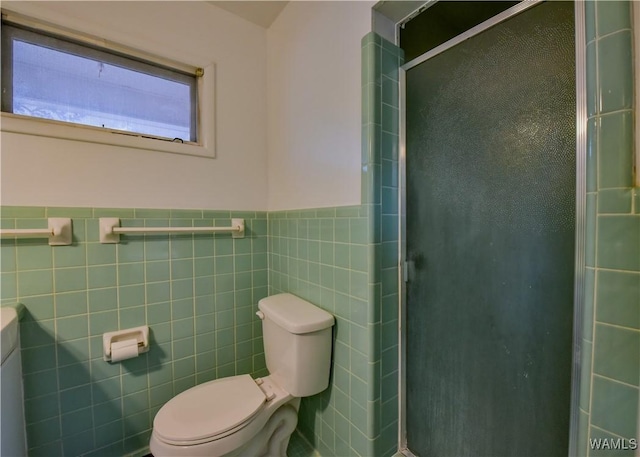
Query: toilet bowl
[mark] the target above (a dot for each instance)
(230, 416)
(242, 416)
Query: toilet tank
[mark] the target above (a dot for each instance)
(297, 343)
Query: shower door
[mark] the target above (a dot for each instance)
(490, 231)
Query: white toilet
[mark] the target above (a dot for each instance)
(240, 416)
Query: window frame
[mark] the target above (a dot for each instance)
(202, 92)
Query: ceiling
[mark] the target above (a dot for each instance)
(262, 13)
(397, 10)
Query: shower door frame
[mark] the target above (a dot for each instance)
(581, 154)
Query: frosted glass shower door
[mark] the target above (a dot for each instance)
(490, 176)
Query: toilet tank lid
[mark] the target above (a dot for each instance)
(294, 314)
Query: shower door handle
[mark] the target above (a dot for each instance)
(408, 270)
(410, 265)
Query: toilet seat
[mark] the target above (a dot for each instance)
(244, 439)
(209, 411)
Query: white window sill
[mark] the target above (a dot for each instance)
(55, 129)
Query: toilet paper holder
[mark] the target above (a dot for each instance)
(140, 334)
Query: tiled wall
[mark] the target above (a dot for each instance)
(380, 99)
(196, 293)
(611, 344)
(323, 256)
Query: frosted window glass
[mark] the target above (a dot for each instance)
(87, 89)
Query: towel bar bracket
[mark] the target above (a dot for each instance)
(107, 235)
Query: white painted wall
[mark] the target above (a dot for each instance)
(314, 113)
(43, 171)
(305, 69)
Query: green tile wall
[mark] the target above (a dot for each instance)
(196, 293)
(322, 255)
(381, 62)
(611, 344)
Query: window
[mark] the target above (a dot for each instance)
(52, 77)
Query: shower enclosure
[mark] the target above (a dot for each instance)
(490, 239)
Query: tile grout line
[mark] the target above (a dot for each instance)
(89, 334)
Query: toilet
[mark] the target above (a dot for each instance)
(242, 416)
